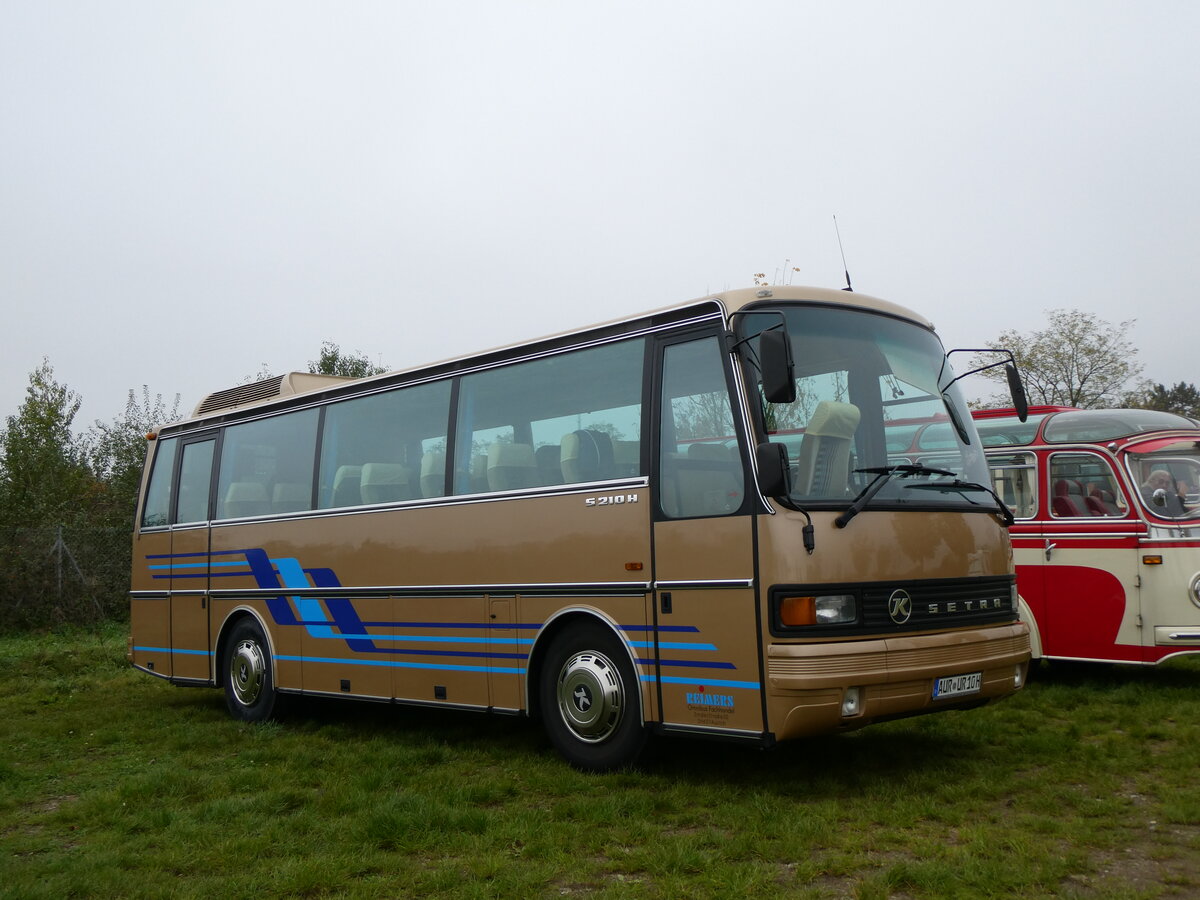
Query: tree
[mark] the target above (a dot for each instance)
(1183, 399)
(334, 362)
(44, 476)
(116, 451)
(1079, 360)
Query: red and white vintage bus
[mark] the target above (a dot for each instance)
(1106, 537)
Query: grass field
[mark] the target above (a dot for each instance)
(115, 784)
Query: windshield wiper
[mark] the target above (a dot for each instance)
(883, 474)
(960, 486)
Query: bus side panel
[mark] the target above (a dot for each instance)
(191, 656)
(1166, 600)
(150, 604)
(150, 629)
(333, 639)
(708, 660)
(354, 653)
(1089, 614)
(1080, 580)
(506, 654)
(707, 634)
(440, 650)
(421, 584)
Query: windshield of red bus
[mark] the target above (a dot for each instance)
(869, 396)
(1168, 479)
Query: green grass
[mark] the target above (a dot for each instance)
(115, 784)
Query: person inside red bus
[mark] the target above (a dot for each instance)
(1161, 494)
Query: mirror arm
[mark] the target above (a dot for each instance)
(1009, 361)
(1015, 386)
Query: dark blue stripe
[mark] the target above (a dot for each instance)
(688, 663)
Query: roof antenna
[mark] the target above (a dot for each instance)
(845, 268)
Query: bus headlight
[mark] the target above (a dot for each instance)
(827, 609)
(1194, 589)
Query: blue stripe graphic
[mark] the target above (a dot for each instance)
(394, 664)
(175, 650)
(706, 682)
(335, 618)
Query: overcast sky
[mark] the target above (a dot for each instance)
(193, 192)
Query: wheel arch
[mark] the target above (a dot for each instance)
(239, 614)
(545, 639)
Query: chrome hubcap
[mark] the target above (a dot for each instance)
(247, 672)
(590, 696)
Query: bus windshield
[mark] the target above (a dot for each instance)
(1168, 480)
(871, 393)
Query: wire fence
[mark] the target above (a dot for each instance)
(61, 574)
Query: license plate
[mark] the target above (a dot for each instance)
(954, 685)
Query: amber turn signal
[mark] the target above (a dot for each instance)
(798, 610)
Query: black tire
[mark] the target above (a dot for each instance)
(591, 700)
(249, 683)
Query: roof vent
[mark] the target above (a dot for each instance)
(267, 389)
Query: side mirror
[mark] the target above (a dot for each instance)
(778, 369)
(1159, 498)
(774, 473)
(1017, 389)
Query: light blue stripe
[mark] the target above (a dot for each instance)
(707, 682)
(402, 665)
(176, 650)
(436, 639)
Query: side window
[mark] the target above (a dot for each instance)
(157, 506)
(700, 465)
(267, 466)
(565, 419)
(195, 479)
(1082, 484)
(385, 447)
(1014, 478)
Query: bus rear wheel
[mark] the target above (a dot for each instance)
(249, 686)
(590, 700)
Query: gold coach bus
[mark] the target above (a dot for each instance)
(683, 522)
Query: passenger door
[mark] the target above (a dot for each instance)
(706, 635)
(1089, 563)
(190, 640)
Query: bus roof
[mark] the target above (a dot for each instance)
(1067, 425)
(295, 383)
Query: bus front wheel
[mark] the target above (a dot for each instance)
(249, 686)
(590, 701)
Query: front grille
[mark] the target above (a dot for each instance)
(940, 604)
(932, 605)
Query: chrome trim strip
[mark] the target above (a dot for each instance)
(599, 589)
(1076, 534)
(718, 583)
(1184, 635)
(585, 487)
